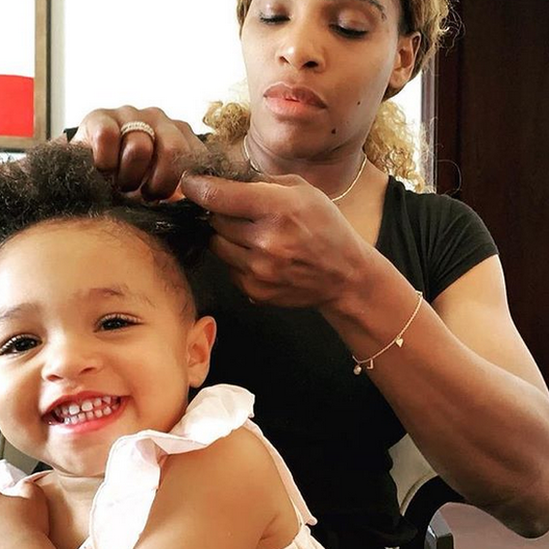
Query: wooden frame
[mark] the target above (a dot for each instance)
(38, 127)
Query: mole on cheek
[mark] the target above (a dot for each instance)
(359, 103)
(334, 131)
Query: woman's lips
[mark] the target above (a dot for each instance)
(293, 101)
(299, 94)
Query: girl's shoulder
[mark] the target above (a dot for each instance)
(233, 484)
(214, 472)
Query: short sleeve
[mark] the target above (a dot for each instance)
(457, 241)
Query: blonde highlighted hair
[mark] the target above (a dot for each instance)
(390, 145)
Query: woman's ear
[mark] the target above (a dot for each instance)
(405, 60)
(200, 340)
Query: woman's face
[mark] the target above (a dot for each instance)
(94, 344)
(319, 69)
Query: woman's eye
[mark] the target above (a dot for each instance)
(272, 19)
(19, 344)
(116, 322)
(349, 32)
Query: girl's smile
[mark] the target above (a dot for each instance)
(98, 340)
(85, 412)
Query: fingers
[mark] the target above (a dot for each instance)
(136, 157)
(245, 271)
(101, 131)
(231, 198)
(136, 160)
(234, 255)
(235, 229)
(175, 139)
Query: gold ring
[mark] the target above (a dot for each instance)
(137, 126)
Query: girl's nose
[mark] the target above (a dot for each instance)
(68, 359)
(300, 47)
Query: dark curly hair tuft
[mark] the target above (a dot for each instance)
(60, 182)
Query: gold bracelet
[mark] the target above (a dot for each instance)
(398, 340)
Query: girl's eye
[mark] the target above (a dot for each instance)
(272, 19)
(19, 344)
(348, 32)
(116, 322)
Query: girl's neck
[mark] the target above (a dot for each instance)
(334, 174)
(69, 504)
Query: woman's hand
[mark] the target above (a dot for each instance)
(24, 520)
(136, 160)
(285, 242)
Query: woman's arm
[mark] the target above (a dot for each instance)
(228, 495)
(463, 384)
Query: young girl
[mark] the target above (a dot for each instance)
(101, 340)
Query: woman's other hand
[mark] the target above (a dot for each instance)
(286, 243)
(138, 162)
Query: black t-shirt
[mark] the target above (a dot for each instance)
(334, 428)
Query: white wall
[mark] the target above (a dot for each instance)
(176, 54)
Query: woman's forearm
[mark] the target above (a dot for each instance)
(484, 429)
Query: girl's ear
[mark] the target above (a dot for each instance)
(200, 340)
(405, 60)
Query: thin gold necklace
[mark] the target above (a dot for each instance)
(335, 199)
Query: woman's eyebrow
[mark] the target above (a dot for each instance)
(376, 3)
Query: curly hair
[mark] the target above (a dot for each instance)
(57, 182)
(390, 145)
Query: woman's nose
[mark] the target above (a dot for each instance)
(301, 47)
(70, 358)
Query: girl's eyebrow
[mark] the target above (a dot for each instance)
(121, 290)
(18, 311)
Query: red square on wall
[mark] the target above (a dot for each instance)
(16, 106)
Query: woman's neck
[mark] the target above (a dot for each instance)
(333, 173)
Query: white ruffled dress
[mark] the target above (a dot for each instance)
(122, 504)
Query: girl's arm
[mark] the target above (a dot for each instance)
(228, 495)
(24, 519)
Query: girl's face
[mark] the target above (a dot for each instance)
(319, 69)
(96, 341)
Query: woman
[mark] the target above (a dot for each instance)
(326, 266)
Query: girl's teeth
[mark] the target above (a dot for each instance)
(74, 409)
(87, 410)
(86, 406)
